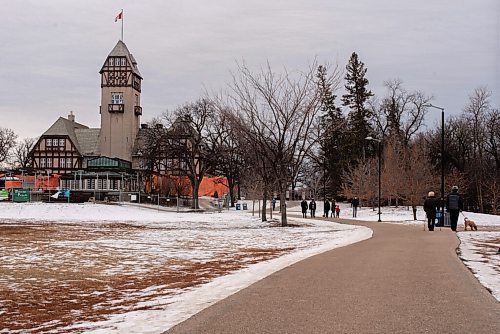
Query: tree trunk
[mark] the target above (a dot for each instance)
(284, 221)
(264, 204)
(196, 187)
(263, 209)
(230, 185)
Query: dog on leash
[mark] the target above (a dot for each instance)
(470, 223)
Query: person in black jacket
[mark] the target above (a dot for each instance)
(355, 204)
(326, 208)
(430, 205)
(312, 208)
(454, 205)
(303, 205)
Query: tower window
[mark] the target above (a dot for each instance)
(117, 98)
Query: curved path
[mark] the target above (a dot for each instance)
(403, 280)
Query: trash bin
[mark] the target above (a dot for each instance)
(238, 206)
(245, 207)
(439, 218)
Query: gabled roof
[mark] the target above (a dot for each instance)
(121, 50)
(64, 127)
(88, 139)
(85, 139)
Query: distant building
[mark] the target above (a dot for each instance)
(119, 154)
(68, 146)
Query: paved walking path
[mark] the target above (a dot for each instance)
(403, 280)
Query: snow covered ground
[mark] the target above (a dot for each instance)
(118, 269)
(115, 269)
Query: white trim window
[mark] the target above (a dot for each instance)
(49, 162)
(117, 98)
(42, 162)
(62, 142)
(69, 163)
(62, 162)
(123, 61)
(111, 61)
(48, 142)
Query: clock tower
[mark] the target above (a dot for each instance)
(120, 103)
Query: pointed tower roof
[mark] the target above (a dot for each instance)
(121, 50)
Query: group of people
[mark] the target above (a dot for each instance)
(328, 208)
(453, 205)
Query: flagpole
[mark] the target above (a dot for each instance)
(122, 23)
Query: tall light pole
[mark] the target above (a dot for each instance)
(324, 182)
(379, 174)
(442, 145)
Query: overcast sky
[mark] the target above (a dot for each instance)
(51, 51)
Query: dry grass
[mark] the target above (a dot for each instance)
(46, 283)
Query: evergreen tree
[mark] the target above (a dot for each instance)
(333, 140)
(356, 98)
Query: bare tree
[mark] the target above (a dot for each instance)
(230, 162)
(21, 154)
(7, 143)
(277, 114)
(400, 113)
(476, 110)
(191, 143)
(419, 178)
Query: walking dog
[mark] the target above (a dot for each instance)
(470, 223)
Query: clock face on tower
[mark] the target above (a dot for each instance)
(117, 78)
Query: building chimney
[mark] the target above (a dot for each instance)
(71, 117)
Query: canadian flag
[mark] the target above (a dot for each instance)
(119, 16)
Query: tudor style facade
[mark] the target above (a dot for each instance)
(115, 156)
(65, 147)
(120, 103)
(68, 146)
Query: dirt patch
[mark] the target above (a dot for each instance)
(56, 275)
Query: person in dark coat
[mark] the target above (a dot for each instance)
(430, 205)
(333, 207)
(454, 205)
(326, 208)
(312, 208)
(303, 205)
(355, 204)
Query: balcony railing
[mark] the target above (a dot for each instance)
(116, 108)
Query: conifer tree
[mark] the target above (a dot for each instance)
(333, 140)
(356, 85)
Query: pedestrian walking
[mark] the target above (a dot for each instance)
(312, 208)
(355, 204)
(337, 211)
(333, 207)
(430, 205)
(303, 205)
(326, 208)
(454, 205)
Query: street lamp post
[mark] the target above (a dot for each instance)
(379, 174)
(442, 145)
(324, 183)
